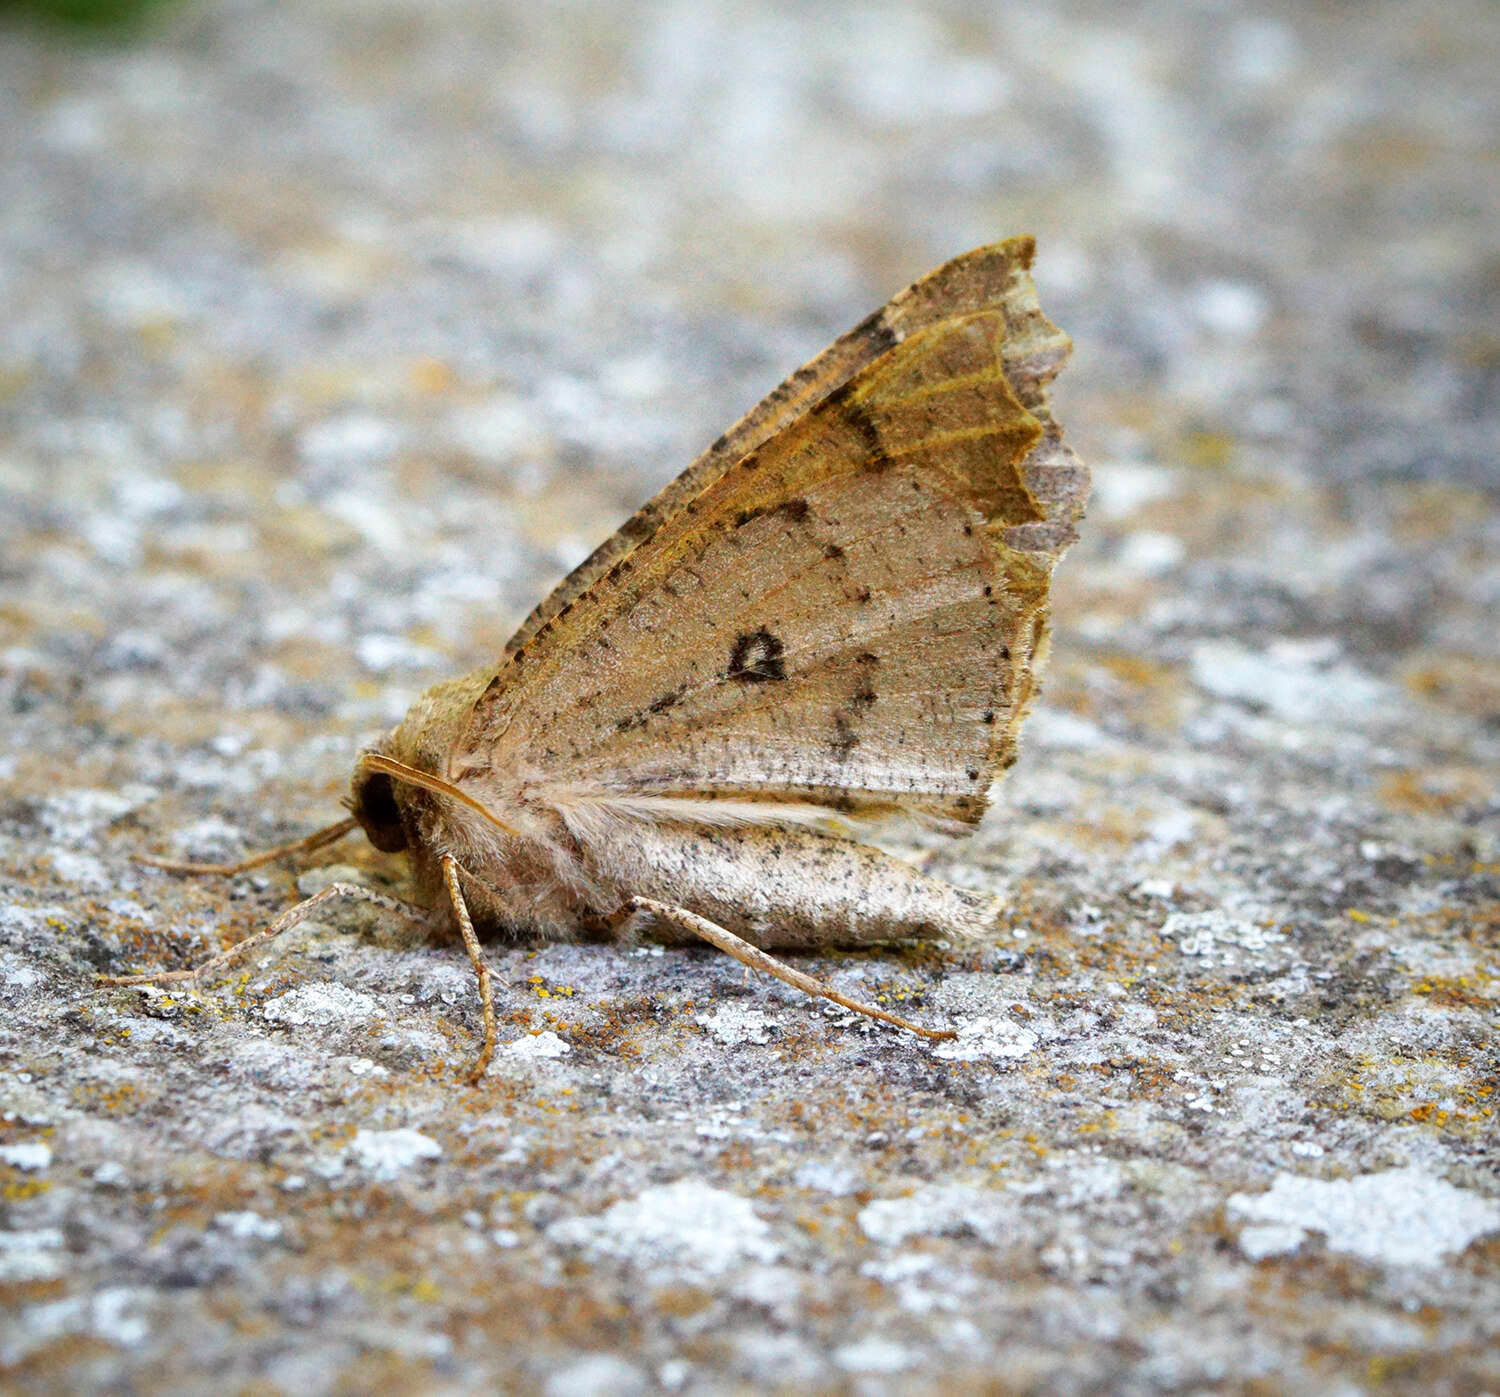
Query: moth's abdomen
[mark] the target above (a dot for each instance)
(787, 888)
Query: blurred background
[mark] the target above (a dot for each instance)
(358, 322)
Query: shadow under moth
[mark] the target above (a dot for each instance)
(835, 615)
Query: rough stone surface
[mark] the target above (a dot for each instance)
(331, 333)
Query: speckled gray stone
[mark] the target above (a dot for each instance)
(331, 334)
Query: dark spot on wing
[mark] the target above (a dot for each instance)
(844, 404)
(668, 700)
(833, 551)
(845, 740)
(875, 331)
(794, 511)
(638, 525)
(756, 658)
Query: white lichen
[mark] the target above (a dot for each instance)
(389, 1153)
(687, 1228)
(1402, 1217)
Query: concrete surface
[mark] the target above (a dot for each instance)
(330, 334)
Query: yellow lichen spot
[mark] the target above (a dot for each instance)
(1384, 1368)
(158, 333)
(1213, 450)
(12, 380)
(1431, 792)
(1357, 916)
(431, 376)
(1133, 669)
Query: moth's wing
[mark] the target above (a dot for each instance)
(848, 615)
(985, 277)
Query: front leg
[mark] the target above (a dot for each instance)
(285, 922)
(353, 892)
(757, 959)
(452, 870)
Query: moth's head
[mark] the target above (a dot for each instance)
(400, 806)
(372, 801)
(397, 791)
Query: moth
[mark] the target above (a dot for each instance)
(835, 615)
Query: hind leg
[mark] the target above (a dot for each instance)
(692, 925)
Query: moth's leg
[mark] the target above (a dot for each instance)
(757, 959)
(285, 922)
(330, 834)
(451, 872)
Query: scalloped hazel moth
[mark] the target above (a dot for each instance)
(836, 614)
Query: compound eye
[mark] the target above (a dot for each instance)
(376, 809)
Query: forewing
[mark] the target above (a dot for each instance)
(996, 275)
(846, 615)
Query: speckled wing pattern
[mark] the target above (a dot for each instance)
(841, 603)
